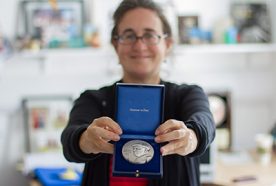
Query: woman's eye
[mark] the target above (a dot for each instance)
(148, 36)
(130, 37)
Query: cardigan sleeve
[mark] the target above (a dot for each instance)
(86, 108)
(196, 114)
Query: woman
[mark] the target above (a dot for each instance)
(142, 39)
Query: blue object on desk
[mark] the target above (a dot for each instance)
(51, 177)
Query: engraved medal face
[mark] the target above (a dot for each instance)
(137, 151)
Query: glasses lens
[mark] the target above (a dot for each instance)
(127, 38)
(150, 38)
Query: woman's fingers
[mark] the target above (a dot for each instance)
(168, 126)
(181, 140)
(179, 146)
(170, 136)
(104, 147)
(108, 124)
(98, 134)
(106, 134)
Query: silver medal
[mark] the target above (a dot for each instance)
(137, 151)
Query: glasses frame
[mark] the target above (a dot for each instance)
(120, 39)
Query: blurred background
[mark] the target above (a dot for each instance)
(51, 51)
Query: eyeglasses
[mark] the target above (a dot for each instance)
(147, 38)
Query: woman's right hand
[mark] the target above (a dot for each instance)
(95, 139)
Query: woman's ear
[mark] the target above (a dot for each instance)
(169, 45)
(115, 44)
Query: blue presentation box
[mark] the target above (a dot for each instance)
(139, 111)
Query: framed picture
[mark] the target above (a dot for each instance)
(53, 23)
(220, 106)
(252, 21)
(185, 25)
(45, 117)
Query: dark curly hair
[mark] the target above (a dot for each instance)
(127, 5)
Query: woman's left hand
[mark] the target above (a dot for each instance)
(181, 140)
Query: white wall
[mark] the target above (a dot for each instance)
(8, 17)
(249, 77)
(273, 14)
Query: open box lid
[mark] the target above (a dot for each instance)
(139, 108)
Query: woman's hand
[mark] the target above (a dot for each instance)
(95, 139)
(181, 140)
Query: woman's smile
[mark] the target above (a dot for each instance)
(138, 56)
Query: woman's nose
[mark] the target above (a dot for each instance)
(139, 44)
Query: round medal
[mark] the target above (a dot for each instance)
(137, 151)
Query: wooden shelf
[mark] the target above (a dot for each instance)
(65, 52)
(178, 50)
(225, 48)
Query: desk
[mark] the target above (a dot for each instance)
(265, 174)
(226, 172)
(34, 182)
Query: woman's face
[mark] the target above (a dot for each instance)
(141, 62)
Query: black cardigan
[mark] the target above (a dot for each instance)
(187, 103)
